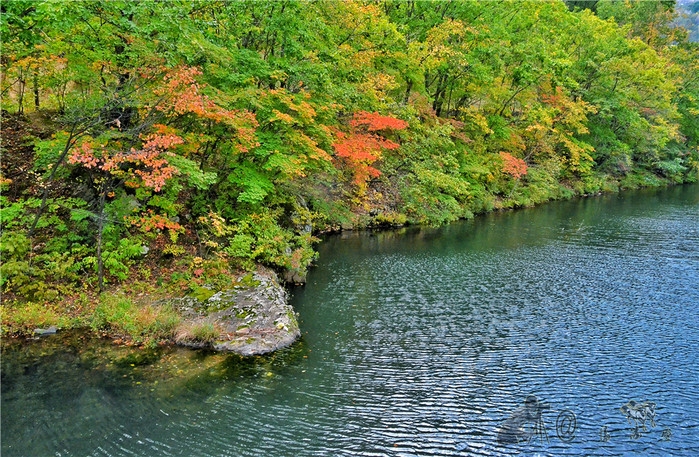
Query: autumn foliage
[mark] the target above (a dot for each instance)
(151, 222)
(374, 122)
(512, 165)
(362, 146)
(146, 166)
(180, 93)
(244, 127)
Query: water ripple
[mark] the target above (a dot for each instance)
(426, 344)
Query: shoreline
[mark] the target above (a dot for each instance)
(251, 317)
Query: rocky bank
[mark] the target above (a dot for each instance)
(252, 318)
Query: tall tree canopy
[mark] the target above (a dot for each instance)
(230, 132)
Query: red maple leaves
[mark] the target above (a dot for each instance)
(181, 94)
(147, 166)
(362, 146)
(155, 222)
(375, 122)
(512, 165)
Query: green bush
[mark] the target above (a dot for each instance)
(258, 238)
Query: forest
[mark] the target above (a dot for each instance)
(153, 148)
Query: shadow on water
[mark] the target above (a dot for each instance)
(519, 228)
(165, 370)
(62, 391)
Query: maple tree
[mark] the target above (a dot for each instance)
(160, 154)
(512, 165)
(147, 166)
(181, 94)
(362, 146)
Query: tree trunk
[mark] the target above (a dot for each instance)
(408, 88)
(20, 92)
(35, 89)
(100, 230)
(439, 95)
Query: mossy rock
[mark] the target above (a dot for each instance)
(252, 317)
(202, 293)
(247, 281)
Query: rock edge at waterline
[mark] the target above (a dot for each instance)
(252, 318)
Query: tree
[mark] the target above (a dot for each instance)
(652, 22)
(512, 165)
(362, 146)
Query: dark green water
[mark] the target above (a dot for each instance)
(419, 342)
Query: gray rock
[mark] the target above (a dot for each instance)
(295, 276)
(252, 318)
(46, 331)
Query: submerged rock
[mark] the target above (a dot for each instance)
(252, 318)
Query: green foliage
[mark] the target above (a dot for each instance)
(48, 151)
(255, 185)
(543, 183)
(193, 175)
(640, 178)
(143, 323)
(259, 239)
(119, 255)
(221, 135)
(46, 267)
(390, 219)
(672, 169)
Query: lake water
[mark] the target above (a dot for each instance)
(417, 342)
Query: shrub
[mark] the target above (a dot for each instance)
(259, 238)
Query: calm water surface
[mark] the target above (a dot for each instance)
(419, 342)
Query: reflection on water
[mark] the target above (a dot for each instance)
(419, 342)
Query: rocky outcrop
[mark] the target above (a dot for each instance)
(252, 318)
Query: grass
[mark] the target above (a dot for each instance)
(143, 323)
(128, 318)
(198, 332)
(28, 316)
(133, 314)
